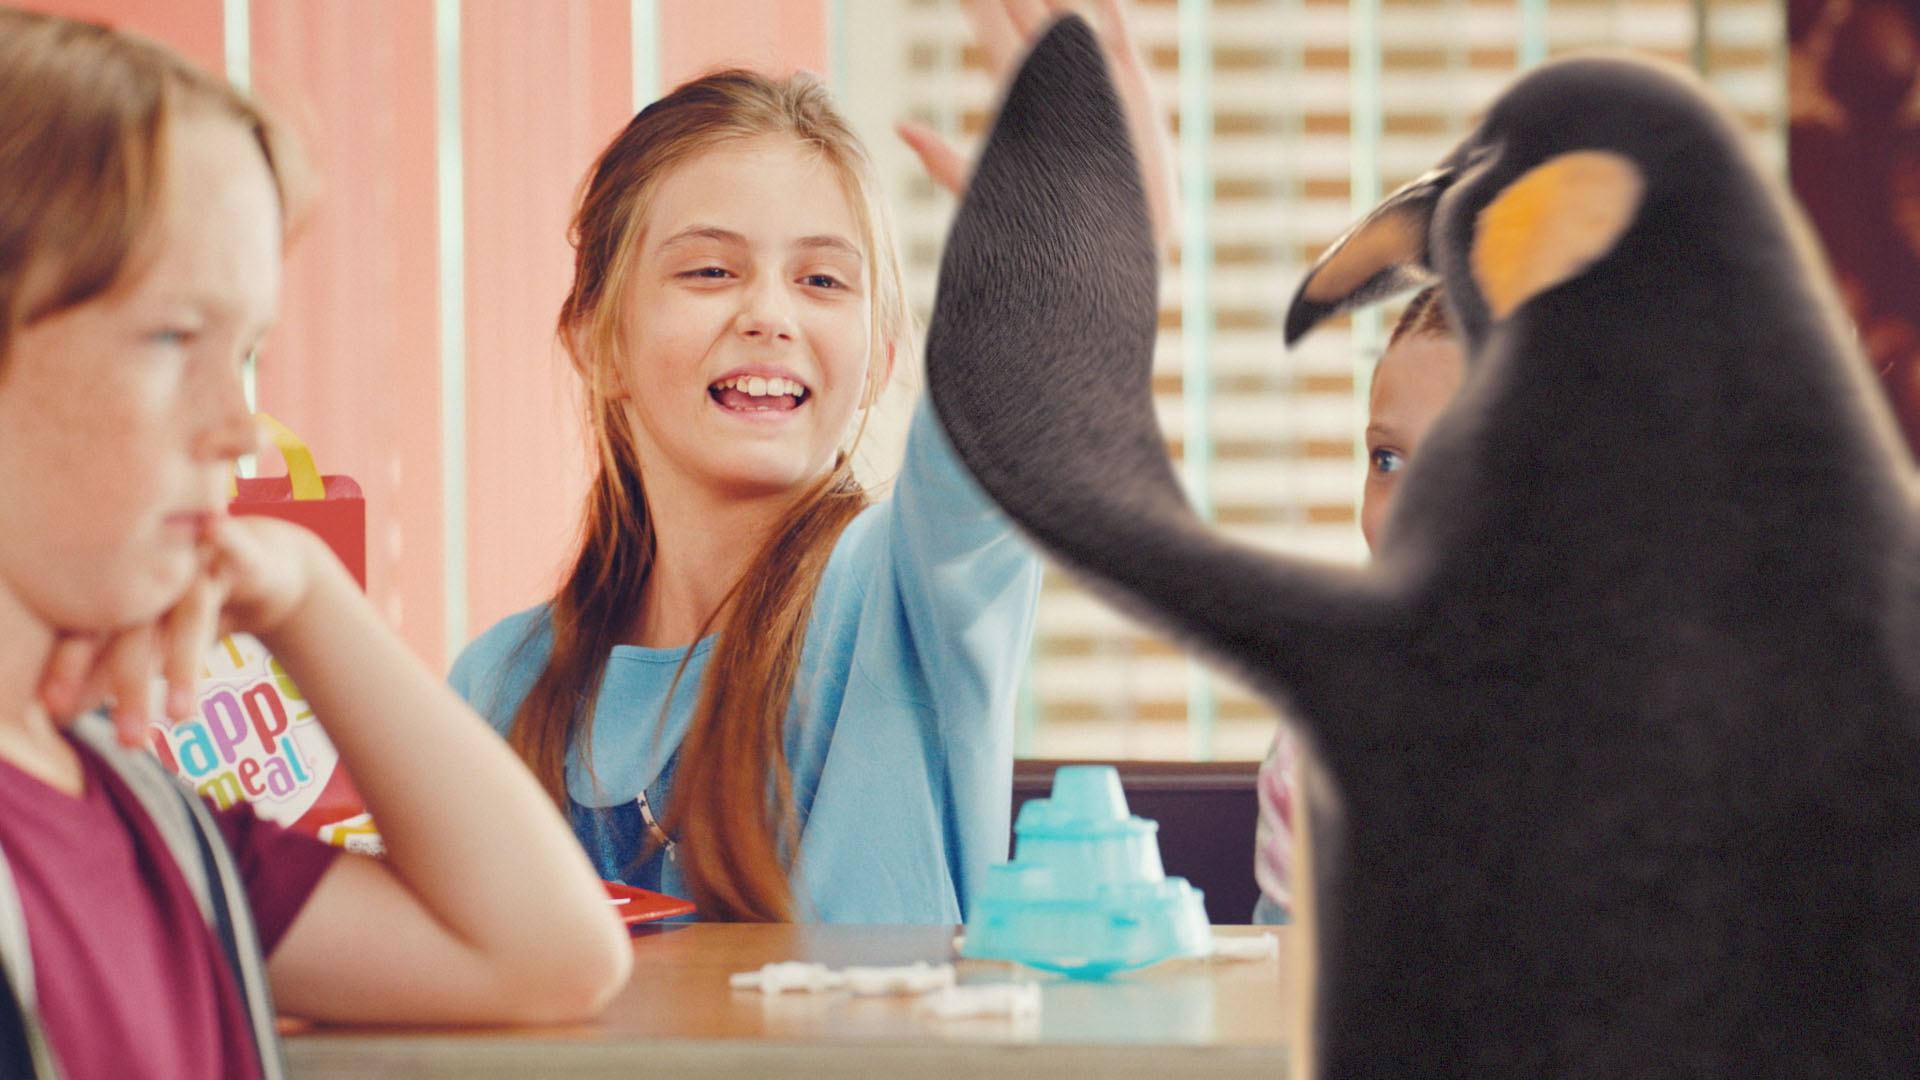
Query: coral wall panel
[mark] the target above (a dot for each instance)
(195, 27)
(543, 87)
(354, 364)
(775, 36)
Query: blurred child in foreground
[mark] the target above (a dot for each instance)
(142, 932)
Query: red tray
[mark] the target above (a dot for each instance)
(643, 905)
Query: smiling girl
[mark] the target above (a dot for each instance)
(755, 687)
(758, 688)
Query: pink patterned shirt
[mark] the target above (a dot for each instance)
(1273, 835)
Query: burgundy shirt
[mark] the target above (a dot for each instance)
(132, 982)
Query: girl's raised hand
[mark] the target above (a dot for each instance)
(1004, 29)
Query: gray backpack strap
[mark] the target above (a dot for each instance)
(198, 848)
(234, 925)
(16, 964)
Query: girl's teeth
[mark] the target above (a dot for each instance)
(760, 386)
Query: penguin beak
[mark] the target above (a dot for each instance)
(1386, 253)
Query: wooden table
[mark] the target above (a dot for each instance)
(679, 1017)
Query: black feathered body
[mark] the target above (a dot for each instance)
(1624, 721)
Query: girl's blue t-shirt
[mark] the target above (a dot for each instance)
(900, 737)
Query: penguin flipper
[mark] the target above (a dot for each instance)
(1039, 358)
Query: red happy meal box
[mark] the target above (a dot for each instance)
(254, 737)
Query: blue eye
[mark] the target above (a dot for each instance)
(1386, 461)
(172, 337)
(822, 281)
(707, 273)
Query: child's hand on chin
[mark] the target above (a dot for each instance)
(255, 573)
(259, 569)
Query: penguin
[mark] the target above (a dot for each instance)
(1621, 728)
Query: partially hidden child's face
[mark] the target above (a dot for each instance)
(747, 331)
(120, 418)
(1412, 383)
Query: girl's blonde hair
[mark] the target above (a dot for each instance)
(85, 113)
(1424, 316)
(732, 807)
